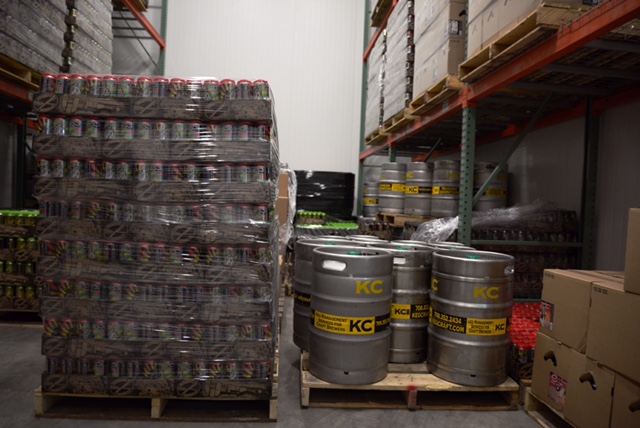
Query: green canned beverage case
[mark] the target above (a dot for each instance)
(29, 293)
(20, 292)
(9, 268)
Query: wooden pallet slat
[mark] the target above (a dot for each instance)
(417, 106)
(26, 77)
(398, 220)
(539, 24)
(407, 386)
(379, 12)
(396, 122)
(376, 137)
(544, 415)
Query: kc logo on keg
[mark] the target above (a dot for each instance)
(369, 287)
(486, 292)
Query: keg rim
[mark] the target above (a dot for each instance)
(468, 256)
(343, 251)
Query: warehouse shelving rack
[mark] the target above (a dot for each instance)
(590, 64)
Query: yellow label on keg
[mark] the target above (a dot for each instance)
(496, 192)
(370, 201)
(409, 175)
(397, 187)
(303, 298)
(349, 326)
(409, 312)
(417, 190)
(438, 190)
(369, 287)
(384, 186)
(469, 326)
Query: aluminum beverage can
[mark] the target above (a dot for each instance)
(127, 129)
(51, 326)
(232, 370)
(261, 132)
(149, 369)
(212, 90)
(244, 89)
(99, 368)
(128, 212)
(45, 125)
(93, 210)
(213, 256)
(117, 368)
(95, 251)
(53, 365)
(144, 213)
(79, 250)
(62, 250)
(175, 255)
(227, 133)
(111, 211)
(248, 370)
(194, 130)
(126, 252)
(94, 84)
(62, 83)
(74, 127)
(178, 131)
(109, 87)
(144, 130)
(109, 170)
(19, 288)
(243, 131)
(263, 293)
(77, 210)
(74, 168)
(129, 330)
(126, 86)
(141, 171)
(228, 214)
(216, 370)
(77, 85)
(47, 83)
(178, 214)
(83, 328)
(194, 88)
(91, 168)
(180, 294)
(29, 292)
(99, 329)
(92, 128)
(244, 174)
(261, 213)
(9, 291)
(193, 255)
(115, 292)
(109, 252)
(67, 366)
(229, 91)
(160, 87)
(246, 332)
(144, 87)
(134, 369)
(66, 327)
(144, 252)
(196, 214)
(174, 172)
(261, 90)
(214, 131)
(44, 209)
(110, 128)
(124, 171)
(60, 126)
(161, 130)
(114, 331)
(260, 174)
(58, 168)
(44, 169)
(166, 369)
(156, 172)
(184, 370)
(129, 291)
(96, 291)
(159, 253)
(196, 332)
(176, 88)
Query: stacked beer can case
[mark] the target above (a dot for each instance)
(158, 236)
(19, 249)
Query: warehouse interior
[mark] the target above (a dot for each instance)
(179, 239)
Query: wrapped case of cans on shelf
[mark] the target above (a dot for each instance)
(19, 250)
(158, 239)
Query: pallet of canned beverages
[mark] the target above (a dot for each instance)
(157, 249)
(147, 97)
(19, 249)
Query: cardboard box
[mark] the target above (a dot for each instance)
(613, 337)
(632, 260)
(588, 403)
(551, 363)
(564, 314)
(282, 210)
(625, 412)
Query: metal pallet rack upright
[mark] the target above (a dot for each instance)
(590, 64)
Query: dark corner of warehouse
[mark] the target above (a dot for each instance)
(366, 213)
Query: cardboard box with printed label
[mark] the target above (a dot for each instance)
(625, 412)
(588, 403)
(632, 260)
(613, 337)
(551, 364)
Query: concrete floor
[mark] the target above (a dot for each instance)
(21, 365)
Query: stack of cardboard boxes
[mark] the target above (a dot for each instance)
(587, 360)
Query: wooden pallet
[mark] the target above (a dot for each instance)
(376, 137)
(396, 122)
(26, 77)
(379, 12)
(525, 34)
(398, 220)
(407, 386)
(435, 96)
(544, 415)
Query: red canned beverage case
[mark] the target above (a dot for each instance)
(126, 86)
(77, 85)
(229, 91)
(94, 84)
(109, 86)
(47, 83)
(61, 84)
(212, 90)
(74, 127)
(144, 87)
(176, 88)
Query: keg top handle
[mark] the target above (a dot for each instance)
(337, 258)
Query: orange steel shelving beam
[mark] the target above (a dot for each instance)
(381, 28)
(145, 23)
(596, 23)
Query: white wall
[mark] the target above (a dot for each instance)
(310, 52)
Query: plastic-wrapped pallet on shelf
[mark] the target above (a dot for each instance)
(19, 249)
(158, 238)
(398, 81)
(89, 37)
(375, 83)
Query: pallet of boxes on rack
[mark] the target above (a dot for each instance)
(19, 249)
(158, 238)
